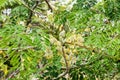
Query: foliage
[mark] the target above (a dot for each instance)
(53, 40)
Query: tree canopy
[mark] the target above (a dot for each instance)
(59, 40)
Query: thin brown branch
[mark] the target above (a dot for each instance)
(12, 74)
(64, 55)
(84, 64)
(31, 13)
(81, 46)
(49, 5)
(29, 8)
(61, 75)
(67, 67)
(98, 51)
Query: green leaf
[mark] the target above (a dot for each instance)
(2, 2)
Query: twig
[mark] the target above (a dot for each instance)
(29, 7)
(67, 67)
(96, 50)
(13, 74)
(61, 75)
(49, 5)
(81, 46)
(31, 13)
(83, 65)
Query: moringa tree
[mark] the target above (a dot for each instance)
(59, 39)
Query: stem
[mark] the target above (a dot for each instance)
(29, 7)
(49, 5)
(31, 13)
(67, 67)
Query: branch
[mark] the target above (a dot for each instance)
(67, 68)
(49, 5)
(81, 46)
(29, 7)
(61, 75)
(31, 13)
(9, 76)
(98, 51)
(83, 65)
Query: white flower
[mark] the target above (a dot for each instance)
(99, 0)
(64, 2)
(22, 23)
(62, 35)
(71, 5)
(6, 11)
